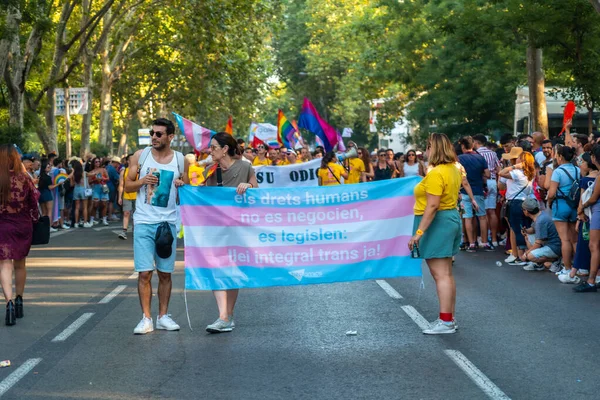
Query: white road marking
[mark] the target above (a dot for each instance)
(416, 317)
(478, 377)
(64, 335)
(55, 234)
(112, 294)
(18, 374)
(134, 275)
(103, 228)
(389, 289)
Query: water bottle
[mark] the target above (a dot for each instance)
(585, 231)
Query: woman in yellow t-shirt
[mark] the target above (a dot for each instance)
(437, 226)
(126, 199)
(261, 157)
(331, 172)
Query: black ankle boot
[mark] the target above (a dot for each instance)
(10, 313)
(19, 307)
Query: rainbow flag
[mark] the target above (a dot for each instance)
(285, 131)
(312, 121)
(197, 136)
(229, 127)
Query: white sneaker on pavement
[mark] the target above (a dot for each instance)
(166, 323)
(145, 326)
(52, 230)
(88, 225)
(563, 271)
(533, 267)
(555, 267)
(219, 326)
(566, 278)
(440, 327)
(65, 226)
(510, 259)
(104, 221)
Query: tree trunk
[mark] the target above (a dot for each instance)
(537, 96)
(106, 95)
(88, 81)
(591, 118)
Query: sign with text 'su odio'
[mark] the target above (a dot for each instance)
(297, 236)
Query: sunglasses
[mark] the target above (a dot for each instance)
(157, 134)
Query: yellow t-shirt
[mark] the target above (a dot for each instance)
(327, 179)
(283, 162)
(357, 167)
(196, 175)
(258, 162)
(443, 180)
(128, 195)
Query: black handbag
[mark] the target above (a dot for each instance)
(41, 231)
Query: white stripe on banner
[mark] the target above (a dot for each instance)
(296, 175)
(353, 232)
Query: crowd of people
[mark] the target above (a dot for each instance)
(536, 198)
(533, 196)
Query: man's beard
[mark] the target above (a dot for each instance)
(159, 146)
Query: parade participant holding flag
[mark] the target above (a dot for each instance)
(228, 171)
(437, 226)
(331, 172)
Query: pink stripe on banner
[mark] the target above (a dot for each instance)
(296, 256)
(370, 210)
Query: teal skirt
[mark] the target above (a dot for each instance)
(442, 238)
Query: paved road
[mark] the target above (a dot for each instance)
(522, 336)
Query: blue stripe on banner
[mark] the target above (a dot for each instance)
(252, 277)
(319, 195)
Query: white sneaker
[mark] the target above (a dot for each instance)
(555, 267)
(566, 278)
(52, 230)
(533, 267)
(440, 327)
(518, 263)
(510, 259)
(563, 271)
(166, 323)
(145, 326)
(104, 221)
(95, 222)
(88, 225)
(583, 272)
(65, 226)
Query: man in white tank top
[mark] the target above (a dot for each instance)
(161, 171)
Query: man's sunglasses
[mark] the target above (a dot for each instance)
(157, 134)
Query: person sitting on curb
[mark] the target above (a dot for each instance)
(546, 247)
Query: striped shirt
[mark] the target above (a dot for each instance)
(491, 158)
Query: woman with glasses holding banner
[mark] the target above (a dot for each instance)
(437, 226)
(230, 171)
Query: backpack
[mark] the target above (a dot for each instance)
(572, 198)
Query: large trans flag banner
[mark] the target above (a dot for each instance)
(297, 236)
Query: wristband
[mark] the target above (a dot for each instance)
(419, 232)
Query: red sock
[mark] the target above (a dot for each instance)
(446, 316)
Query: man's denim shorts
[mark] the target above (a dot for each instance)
(144, 249)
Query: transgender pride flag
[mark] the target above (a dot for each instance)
(197, 136)
(297, 235)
